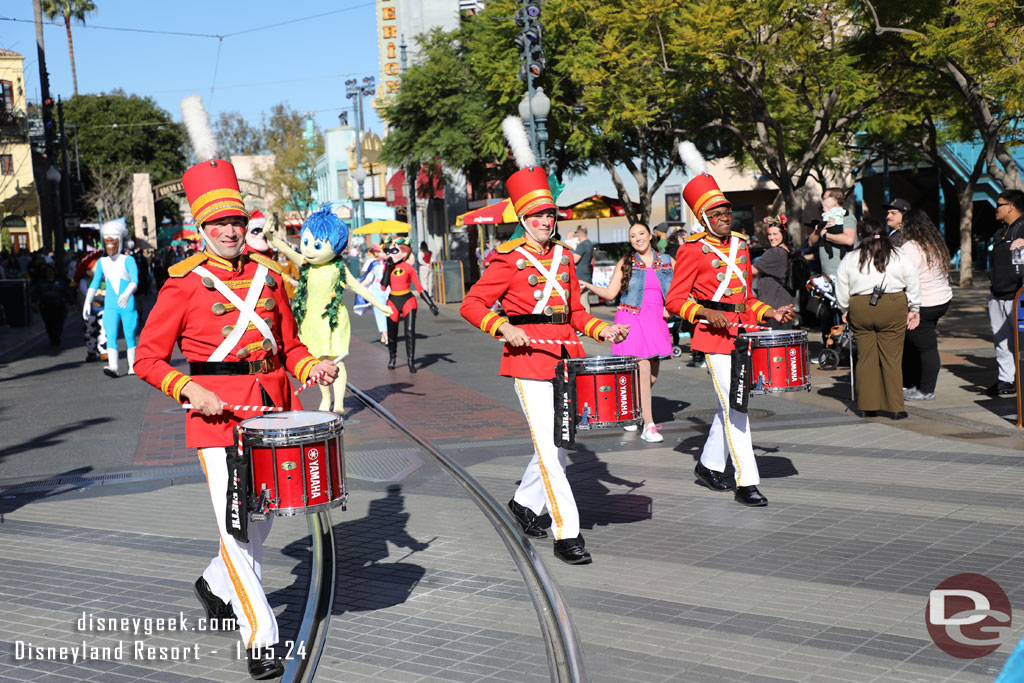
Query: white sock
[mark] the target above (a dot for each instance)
(131, 361)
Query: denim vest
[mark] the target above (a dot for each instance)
(634, 295)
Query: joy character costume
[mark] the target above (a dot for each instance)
(319, 305)
(120, 274)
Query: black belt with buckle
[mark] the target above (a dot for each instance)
(244, 367)
(553, 319)
(719, 306)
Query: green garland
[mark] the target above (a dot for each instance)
(332, 308)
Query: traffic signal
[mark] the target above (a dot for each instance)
(528, 40)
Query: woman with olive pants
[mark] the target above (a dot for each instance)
(877, 270)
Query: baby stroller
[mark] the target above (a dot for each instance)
(839, 338)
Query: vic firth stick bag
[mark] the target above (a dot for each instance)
(742, 369)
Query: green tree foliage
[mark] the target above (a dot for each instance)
(119, 135)
(296, 144)
(68, 10)
(236, 136)
(793, 81)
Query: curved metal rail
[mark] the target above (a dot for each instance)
(319, 602)
(564, 651)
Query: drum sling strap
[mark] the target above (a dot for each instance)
(742, 368)
(240, 494)
(565, 406)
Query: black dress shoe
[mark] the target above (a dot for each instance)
(110, 373)
(1002, 389)
(391, 362)
(749, 495)
(866, 413)
(571, 551)
(901, 415)
(263, 664)
(713, 480)
(214, 606)
(527, 519)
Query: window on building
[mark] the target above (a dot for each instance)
(6, 97)
(6, 164)
(342, 185)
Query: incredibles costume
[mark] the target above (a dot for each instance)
(539, 293)
(401, 277)
(714, 272)
(234, 326)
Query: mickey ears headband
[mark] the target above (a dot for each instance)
(781, 219)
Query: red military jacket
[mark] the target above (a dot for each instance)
(514, 280)
(698, 275)
(189, 312)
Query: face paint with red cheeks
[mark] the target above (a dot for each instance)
(215, 231)
(535, 223)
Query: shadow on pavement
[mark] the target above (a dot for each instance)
(769, 466)
(664, 409)
(12, 499)
(597, 504)
(44, 371)
(365, 580)
(431, 358)
(53, 438)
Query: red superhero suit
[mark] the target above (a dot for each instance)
(400, 276)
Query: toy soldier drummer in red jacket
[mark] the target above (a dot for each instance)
(229, 315)
(535, 281)
(711, 283)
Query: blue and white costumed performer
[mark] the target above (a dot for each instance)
(121, 275)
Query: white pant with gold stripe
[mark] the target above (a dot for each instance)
(544, 485)
(235, 573)
(730, 431)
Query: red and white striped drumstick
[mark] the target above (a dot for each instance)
(241, 409)
(313, 379)
(746, 326)
(555, 341)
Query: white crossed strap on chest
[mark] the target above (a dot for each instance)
(730, 267)
(246, 311)
(550, 277)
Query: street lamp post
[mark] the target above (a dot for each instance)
(536, 109)
(357, 91)
(53, 176)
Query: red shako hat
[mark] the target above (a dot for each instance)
(212, 191)
(529, 192)
(702, 194)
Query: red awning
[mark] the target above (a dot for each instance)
(426, 188)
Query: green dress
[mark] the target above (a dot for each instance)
(315, 331)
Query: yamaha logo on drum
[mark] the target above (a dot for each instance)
(623, 395)
(314, 472)
(794, 368)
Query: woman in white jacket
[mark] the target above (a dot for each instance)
(879, 292)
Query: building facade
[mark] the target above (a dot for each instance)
(19, 200)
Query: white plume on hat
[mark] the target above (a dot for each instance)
(197, 124)
(692, 159)
(515, 134)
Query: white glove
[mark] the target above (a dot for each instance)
(126, 295)
(87, 309)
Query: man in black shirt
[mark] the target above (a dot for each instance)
(1005, 281)
(583, 256)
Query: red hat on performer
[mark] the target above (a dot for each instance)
(702, 193)
(528, 188)
(211, 186)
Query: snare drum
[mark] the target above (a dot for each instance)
(297, 462)
(607, 391)
(780, 361)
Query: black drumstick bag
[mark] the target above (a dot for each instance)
(565, 408)
(742, 369)
(237, 518)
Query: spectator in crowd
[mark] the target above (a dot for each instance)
(660, 233)
(572, 239)
(1005, 278)
(52, 295)
(837, 233)
(894, 213)
(926, 248)
(427, 269)
(879, 293)
(773, 269)
(645, 275)
(583, 256)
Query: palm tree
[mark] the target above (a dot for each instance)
(68, 10)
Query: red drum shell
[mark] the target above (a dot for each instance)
(780, 361)
(299, 458)
(607, 391)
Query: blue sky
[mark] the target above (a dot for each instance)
(304, 63)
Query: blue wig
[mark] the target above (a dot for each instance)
(325, 225)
